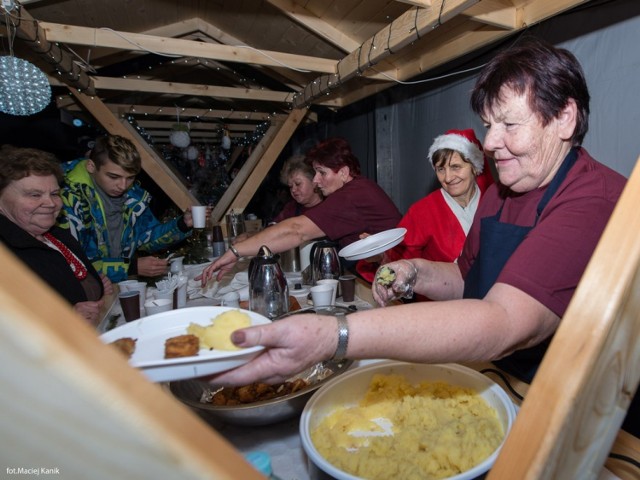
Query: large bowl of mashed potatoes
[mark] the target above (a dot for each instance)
(394, 419)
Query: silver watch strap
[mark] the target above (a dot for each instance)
(343, 337)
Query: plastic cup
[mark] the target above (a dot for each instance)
(218, 246)
(130, 303)
(199, 214)
(231, 299)
(348, 287)
(171, 295)
(322, 295)
(158, 305)
(138, 286)
(334, 285)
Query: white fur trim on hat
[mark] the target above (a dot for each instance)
(461, 144)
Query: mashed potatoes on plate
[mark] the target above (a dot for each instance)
(218, 334)
(432, 430)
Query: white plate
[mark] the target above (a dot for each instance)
(152, 331)
(373, 244)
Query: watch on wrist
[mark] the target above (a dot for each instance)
(343, 338)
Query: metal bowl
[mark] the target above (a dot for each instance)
(263, 412)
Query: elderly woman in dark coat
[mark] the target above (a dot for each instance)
(29, 206)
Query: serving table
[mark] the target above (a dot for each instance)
(282, 440)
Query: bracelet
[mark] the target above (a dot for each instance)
(343, 338)
(234, 251)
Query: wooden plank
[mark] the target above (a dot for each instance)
(174, 88)
(255, 168)
(579, 397)
(70, 402)
(151, 162)
(129, 41)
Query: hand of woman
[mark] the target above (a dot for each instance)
(292, 345)
(394, 280)
(219, 267)
(90, 311)
(152, 266)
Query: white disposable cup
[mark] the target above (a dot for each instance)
(334, 286)
(176, 264)
(126, 285)
(231, 299)
(139, 287)
(199, 215)
(158, 305)
(182, 291)
(322, 295)
(165, 295)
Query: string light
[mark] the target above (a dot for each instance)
(24, 88)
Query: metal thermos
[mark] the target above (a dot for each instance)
(268, 289)
(325, 262)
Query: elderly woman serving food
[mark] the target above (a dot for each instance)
(353, 204)
(527, 249)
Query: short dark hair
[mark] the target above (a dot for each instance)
(17, 163)
(550, 76)
(119, 150)
(334, 153)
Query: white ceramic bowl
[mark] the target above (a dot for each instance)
(349, 388)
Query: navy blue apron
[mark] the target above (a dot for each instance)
(498, 241)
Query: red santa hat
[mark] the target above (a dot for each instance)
(463, 142)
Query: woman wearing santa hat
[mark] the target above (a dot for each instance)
(437, 225)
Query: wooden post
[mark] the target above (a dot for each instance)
(264, 155)
(70, 402)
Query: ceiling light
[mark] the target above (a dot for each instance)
(24, 88)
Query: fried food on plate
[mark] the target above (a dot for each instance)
(181, 346)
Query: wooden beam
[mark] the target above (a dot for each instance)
(199, 113)
(417, 3)
(497, 13)
(193, 126)
(463, 40)
(317, 26)
(31, 32)
(579, 397)
(151, 162)
(325, 30)
(407, 28)
(173, 88)
(104, 37)
(71, 402)
(255, 168)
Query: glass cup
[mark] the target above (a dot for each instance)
(235, 226)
